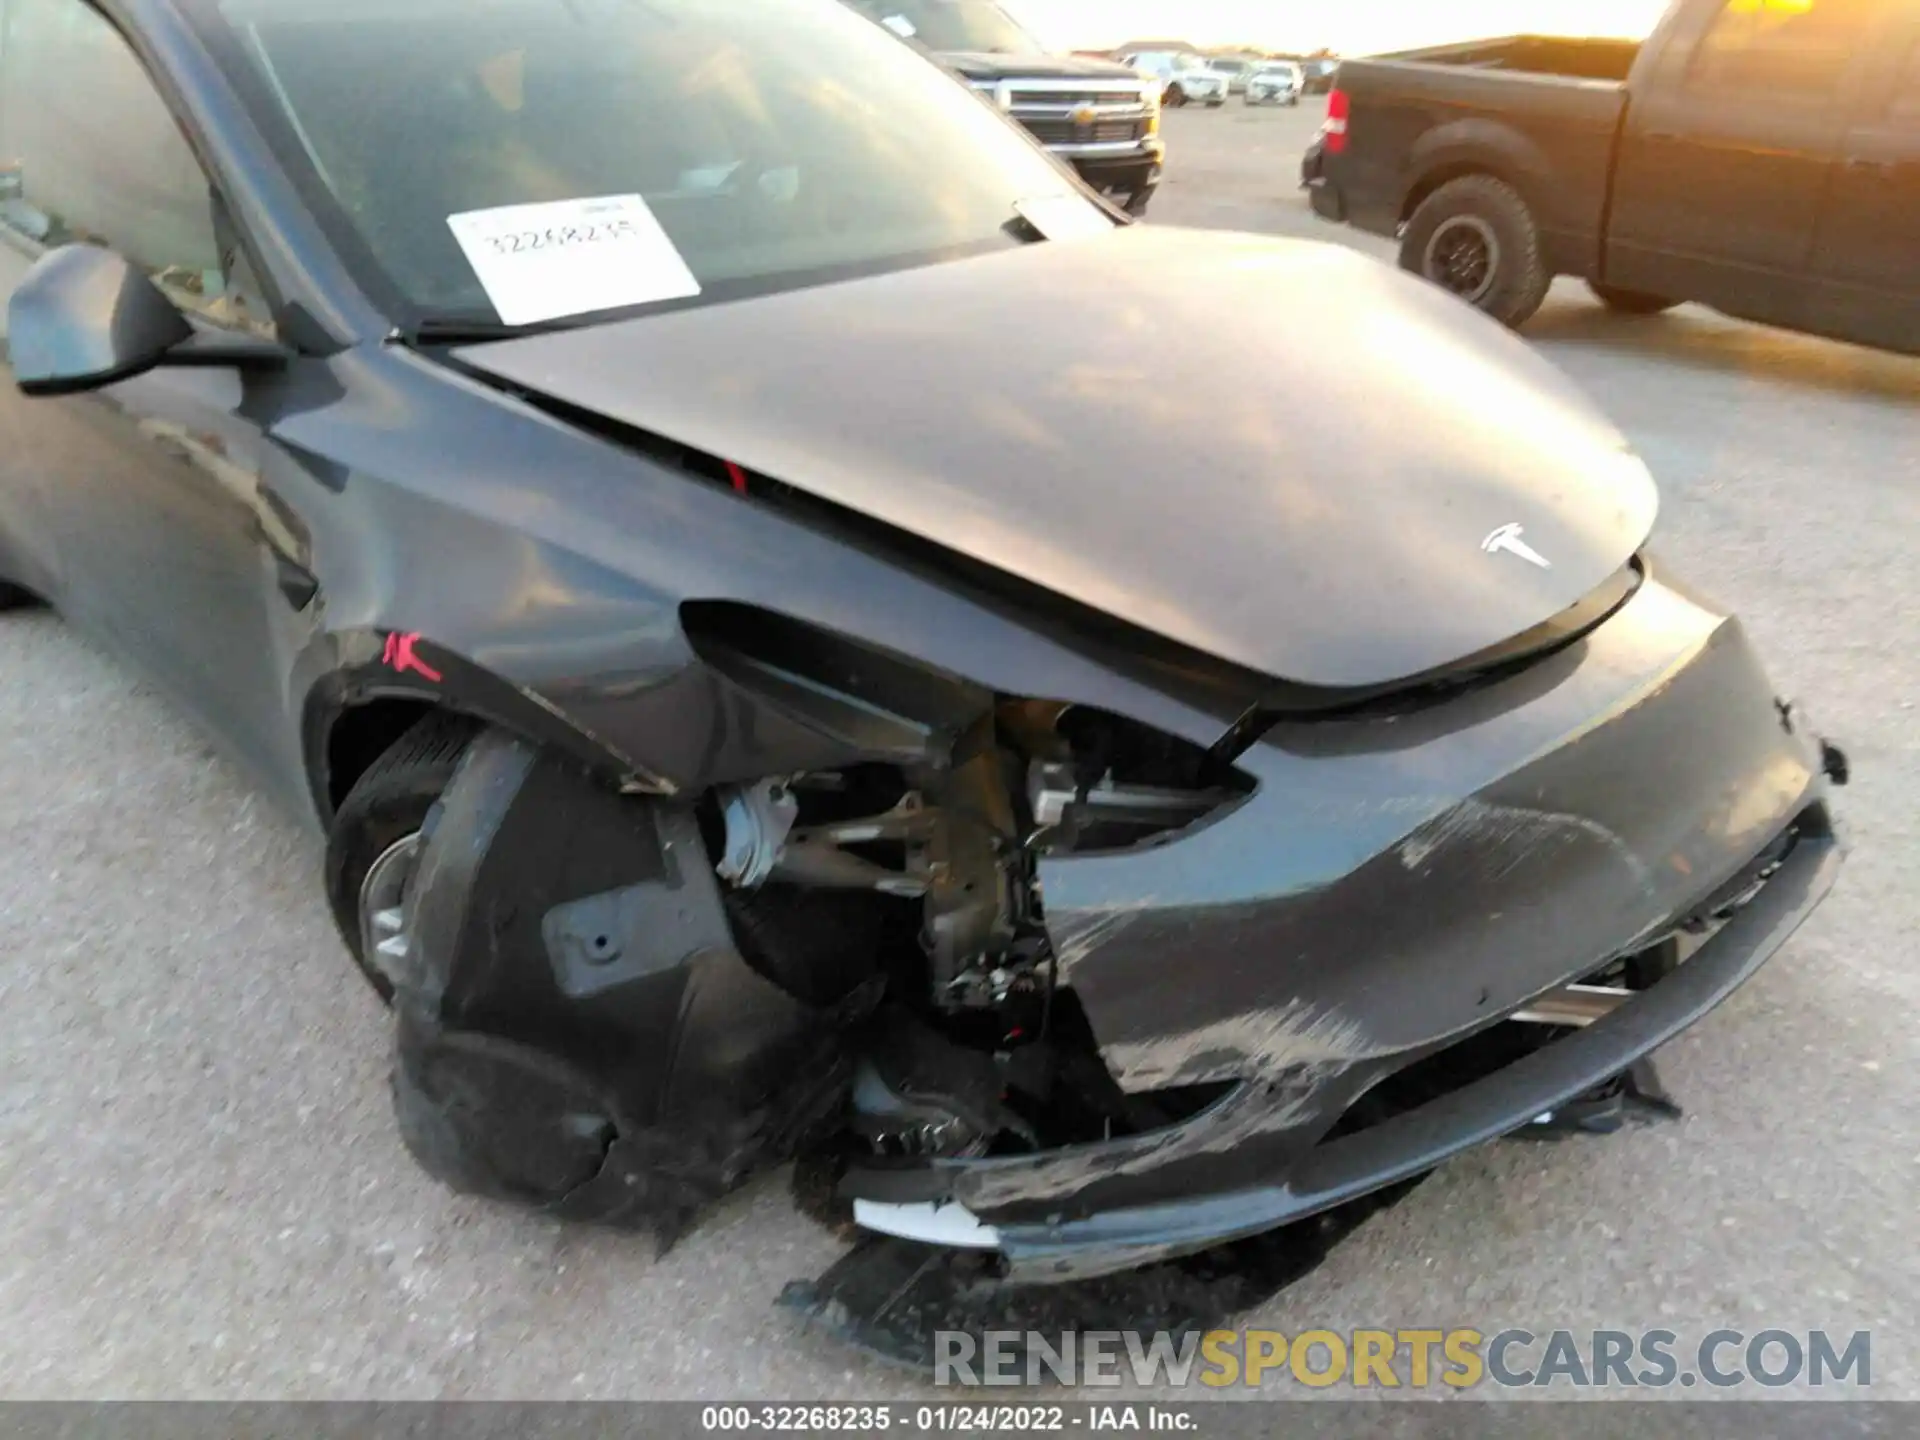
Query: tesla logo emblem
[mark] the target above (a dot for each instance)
(1507, 538)
(399, 657)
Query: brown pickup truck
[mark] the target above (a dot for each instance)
(1758, 156)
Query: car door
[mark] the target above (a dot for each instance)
(1726, 153)
(149, 487)
(1867, 247)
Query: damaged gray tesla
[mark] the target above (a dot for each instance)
(702, 511)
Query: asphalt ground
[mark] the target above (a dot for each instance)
(201, 1192)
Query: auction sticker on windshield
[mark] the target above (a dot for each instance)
(543, 262)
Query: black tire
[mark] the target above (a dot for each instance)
(1630, 302)
(1176, 96)
(1215, 104)
(391, 801)
(1485, 216)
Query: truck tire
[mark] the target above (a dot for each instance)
(1476, 238)
(1176, 96)
(1630, 302)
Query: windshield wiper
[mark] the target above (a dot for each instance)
(455, 330)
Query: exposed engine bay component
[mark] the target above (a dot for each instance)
(759, 818)
(917, 1093)
(1068, 809)
(978, 899)
(1573, 1005)
(842, 854)
(1103, 782)
(959, 833)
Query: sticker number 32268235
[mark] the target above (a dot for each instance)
(518, 242)
(542, 262)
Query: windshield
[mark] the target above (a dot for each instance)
(521, 160)
(1230, 67)
(954, 25)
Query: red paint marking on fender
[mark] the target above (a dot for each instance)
(399, 655)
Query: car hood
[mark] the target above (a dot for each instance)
(1279, 452)
(983, 65)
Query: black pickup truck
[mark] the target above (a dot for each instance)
(1759, 156)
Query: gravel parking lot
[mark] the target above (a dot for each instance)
(201, 1193)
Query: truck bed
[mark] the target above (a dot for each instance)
(1542, 109)
(1570, 58)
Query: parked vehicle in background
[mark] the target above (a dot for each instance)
(1758, 156)
(1319, 74)
(1278, 82)
(1235, 69)
(1185, 78)
(1096, 115)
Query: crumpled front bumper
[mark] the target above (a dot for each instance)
(1397, 884)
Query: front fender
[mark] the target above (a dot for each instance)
(735, 693)
(345, 673)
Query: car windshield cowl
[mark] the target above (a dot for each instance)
(524, 162)
(472, 327)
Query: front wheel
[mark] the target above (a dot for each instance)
(1476, 238)
(1175, 97)
(373, 844)
(1630, 302)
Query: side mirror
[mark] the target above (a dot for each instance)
(84, 317)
